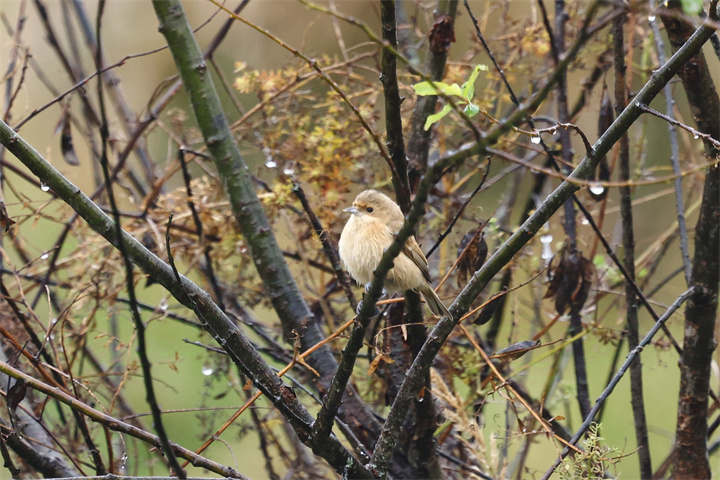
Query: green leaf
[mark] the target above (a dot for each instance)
(692, 7)
(437, 116)
(468, 88)
(429, 88)
(471, 110)
(432, 88)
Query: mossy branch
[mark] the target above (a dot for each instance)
(278, 282)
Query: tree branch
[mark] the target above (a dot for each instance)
(413, 381)
(618, 376)
(628, 242)
(224, 331)
(701, 312)
(393, 116)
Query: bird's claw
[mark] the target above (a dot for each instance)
(359, 307)
(383, 294)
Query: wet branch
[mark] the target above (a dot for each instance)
(413, 381)
(618, 376)
(628, 242)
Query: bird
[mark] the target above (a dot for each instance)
(374, 222)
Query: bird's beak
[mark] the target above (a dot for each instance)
(352, 210)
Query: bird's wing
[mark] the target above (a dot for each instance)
(413, 252)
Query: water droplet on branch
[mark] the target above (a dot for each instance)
(597, 189)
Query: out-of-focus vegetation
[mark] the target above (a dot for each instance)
(531, 354)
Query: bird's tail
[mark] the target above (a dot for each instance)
(436, 306)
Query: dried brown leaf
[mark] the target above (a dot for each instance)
(516, 350)
(442, 34)
(16, 394)
(474, 256)
(5, 221)
(571, 277)
(64, 126)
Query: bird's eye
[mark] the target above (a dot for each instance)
(369, 209)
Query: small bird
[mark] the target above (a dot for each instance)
(372, 227)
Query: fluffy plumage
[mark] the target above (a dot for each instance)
(373, 223)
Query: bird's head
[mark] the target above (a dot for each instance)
(372, 204)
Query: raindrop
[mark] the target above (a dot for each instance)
(163, 306)
(585, 221)
(651, 18)
(207, 370)
(553, 131)
(44, 187)
(597, 189)
(44, 256)
(535, 139)
(288, 170)
(271, 163)
(546, 240)
(696, 136)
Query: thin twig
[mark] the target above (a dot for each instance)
(329, 248)
(116, 424)
(672, 121)
(498, 69)
(393, 115)
(209, 271)
(413, 380)
(628, 242)
(674, 150)
(458, 215)
(314, 64)
(129, 280)
(618, 376)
